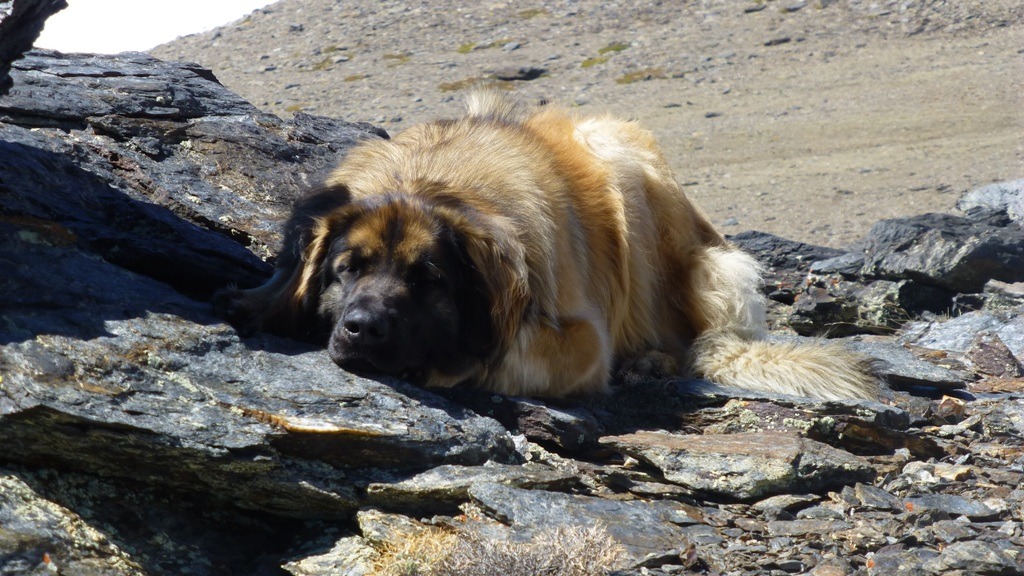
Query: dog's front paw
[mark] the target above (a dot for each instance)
(235, 306)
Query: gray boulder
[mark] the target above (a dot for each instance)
(1003, 196)
(952, 252)
(744, 466)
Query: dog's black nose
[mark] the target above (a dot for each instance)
(367, 329)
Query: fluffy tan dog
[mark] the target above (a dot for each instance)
(528, 252)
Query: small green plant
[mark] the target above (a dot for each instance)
(604, 54)
(613, 47)
(457, 85)
(323, 64)
(355, 77)
(476, 81)
(397, 59)
(641, 75)
(594, 61)
(471, 46)
(532, 13)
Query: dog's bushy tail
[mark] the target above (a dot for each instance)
(816, 368)
(734, 350)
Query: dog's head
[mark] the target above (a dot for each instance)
(423, 288)
(400, 292)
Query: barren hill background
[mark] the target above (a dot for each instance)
(811, 120)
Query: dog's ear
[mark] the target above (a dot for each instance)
(287, 303)
(477, 328)
(498, 269)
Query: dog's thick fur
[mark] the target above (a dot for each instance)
(529, 252)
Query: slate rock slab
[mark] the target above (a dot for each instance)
(952, 505)
(974, 557)
(150, 163)
(445, 487)
(744, 466)
(642, 528)
(946, 251)
(348, 556)
(1002, 196)
(128, 200)
(156, 531)
(959, 334)
(40, 537)
(782, 253)
(566, 427)
(900, 368)
(259, 429)
(114, 373)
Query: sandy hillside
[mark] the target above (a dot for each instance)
(811, 120)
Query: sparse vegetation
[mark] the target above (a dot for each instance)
(613, 47)
(475, 81)
(604, 54)
(471, 46)
(641, 75)
(355, 77)
(574, 551)
(416, 555)
(532, 13)
(397, 58)
(329, 59)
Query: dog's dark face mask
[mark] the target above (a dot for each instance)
(402, 297)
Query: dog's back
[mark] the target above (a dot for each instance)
(662, 276)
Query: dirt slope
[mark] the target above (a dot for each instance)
(811, 119)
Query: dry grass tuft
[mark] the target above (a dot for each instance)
(415, 555)
(574, 551)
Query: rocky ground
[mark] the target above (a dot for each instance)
(141, 435)
(808, 119)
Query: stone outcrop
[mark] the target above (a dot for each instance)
(21, 21)
(141, 435)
